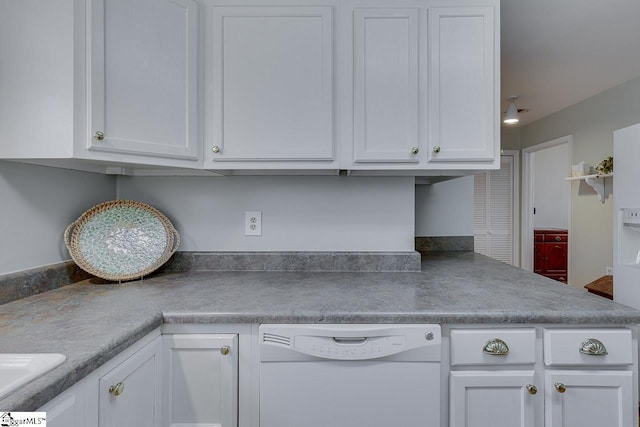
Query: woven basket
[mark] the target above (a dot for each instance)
(121, 240)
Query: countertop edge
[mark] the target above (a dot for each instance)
(613, 318)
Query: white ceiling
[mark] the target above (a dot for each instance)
(556, 53)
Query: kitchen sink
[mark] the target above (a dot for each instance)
(18, 369)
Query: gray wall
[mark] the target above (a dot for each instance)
(591, 122)
(298, 213)
(445, 208)
(38, 203)
(510, 138)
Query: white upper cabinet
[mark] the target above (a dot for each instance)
(386, 88)
(143, 78)
(422, 86)
(463, 85)
(111, 81)
(37, 79)
(269, 79)
(304, 86)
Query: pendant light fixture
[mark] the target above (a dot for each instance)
(511, 115)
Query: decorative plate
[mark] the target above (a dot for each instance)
(121, 240)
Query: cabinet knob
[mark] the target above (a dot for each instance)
(415, 150)
(593, 347)
(558, 238)
(531, 389)
(117, 389)
(225, 349)
(98, 135)
(436, 149)
(215, 149)
(560, 388)
(496, 347)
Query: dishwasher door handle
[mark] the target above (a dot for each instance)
(350, 340)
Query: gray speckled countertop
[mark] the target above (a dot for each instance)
(90, 323)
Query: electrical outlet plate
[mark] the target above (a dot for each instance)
(253, 223)
(608, 271)
(631, 217)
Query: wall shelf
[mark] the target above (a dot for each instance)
(596, 181)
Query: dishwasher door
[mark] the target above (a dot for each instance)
(350, 375)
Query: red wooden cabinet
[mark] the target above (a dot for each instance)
(550, 253)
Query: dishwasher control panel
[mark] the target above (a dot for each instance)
(350, 348)
(350, 342)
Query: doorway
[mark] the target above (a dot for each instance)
(546, 199)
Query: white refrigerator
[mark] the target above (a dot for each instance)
(626, 216)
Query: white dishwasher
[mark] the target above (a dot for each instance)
(350, 375)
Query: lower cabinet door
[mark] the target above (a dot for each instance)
(556, 254)
(496, 399)
(130, 393)
(589, 398)
(201, 373)
(69, 408)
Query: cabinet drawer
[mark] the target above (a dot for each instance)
(555, 238)
(468, 346)
(557, 276)
(563, 347)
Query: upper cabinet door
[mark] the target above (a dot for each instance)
(269, 84)
(385, 79)
(463, 84)
(143, 74)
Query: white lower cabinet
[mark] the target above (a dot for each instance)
(493, 379)
(538, 376)
(123, 392)
(589, 398)
(498, 399)
(531, 376)
(201, 380)
(129, 395)
(590, 376)
(69, 409)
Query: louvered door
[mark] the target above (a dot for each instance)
(493, 214)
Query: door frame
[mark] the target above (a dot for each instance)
(515, 217)
(528, 190)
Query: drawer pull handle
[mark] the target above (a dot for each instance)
(496, 347)
(117, 389)
(560, 388)
(593, 347)
(225, 350)
(558, 238)
(531, 389)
